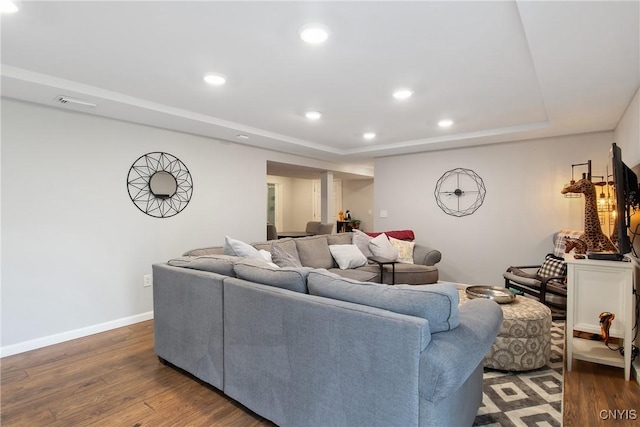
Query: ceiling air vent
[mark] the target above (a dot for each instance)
(66, 100)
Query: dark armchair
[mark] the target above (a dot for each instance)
(547, 283)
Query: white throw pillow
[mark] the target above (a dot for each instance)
(266, 255)
(241, 249)
(347, 256)
(405, 250)
(381, 247)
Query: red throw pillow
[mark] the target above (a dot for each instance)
(396, 234)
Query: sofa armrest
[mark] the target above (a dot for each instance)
(426, 256)
(453, 355)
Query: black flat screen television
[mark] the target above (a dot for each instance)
(625, 183)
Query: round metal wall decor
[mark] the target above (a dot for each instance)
(460, 192)
(159, 184)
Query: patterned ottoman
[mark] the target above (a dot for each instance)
(524, 339)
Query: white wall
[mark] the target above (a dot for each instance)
(74, 246)
(302, 206)
(523, 206)
(627, 133)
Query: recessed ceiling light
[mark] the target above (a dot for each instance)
(445, 123)
(369, 135)
(242, 136)
(7, 6)
(215, 79)
(313, 115)
(314, 33)
(402, 93)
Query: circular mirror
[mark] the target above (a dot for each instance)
(163, 185)
(159, 184)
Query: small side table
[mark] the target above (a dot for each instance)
(382, 262)
(594, 287)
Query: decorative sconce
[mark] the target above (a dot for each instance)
(586, 175)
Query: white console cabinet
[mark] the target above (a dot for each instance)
(593, 287)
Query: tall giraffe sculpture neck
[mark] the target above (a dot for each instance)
(593, 236)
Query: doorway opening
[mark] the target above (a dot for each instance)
(274, 204)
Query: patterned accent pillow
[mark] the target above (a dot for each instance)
(553, 266)
(405, 250)
(558, 248)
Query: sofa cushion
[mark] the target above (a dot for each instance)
(348, 256)
(314, 252)
(291, 278)
(361, 240)
(405, 250)
(282, 258)
(340, 238)
(409, 274)
(213, 250)
(381, 247)
(264, 246)
(239, 248)
(436, 303)
(361, 274)
(221, 264)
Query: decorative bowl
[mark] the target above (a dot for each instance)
(496, 293)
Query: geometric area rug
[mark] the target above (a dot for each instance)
(531, 398)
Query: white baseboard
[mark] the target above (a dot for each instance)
(71, 335)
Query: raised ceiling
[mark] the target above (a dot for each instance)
(502, 71)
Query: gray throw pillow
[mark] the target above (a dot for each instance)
(282, 258)
(361, 240)
(314, 252)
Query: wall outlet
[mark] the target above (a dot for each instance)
(148, 280)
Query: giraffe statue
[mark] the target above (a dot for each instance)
(593, 236)
(579, 245)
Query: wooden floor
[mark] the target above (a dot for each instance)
(110, 379)
(115, 379)
(598, 395)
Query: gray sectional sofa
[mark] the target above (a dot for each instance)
(302, 346)
(313, 251)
